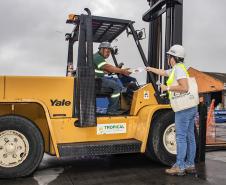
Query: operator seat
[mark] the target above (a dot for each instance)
(102, 91)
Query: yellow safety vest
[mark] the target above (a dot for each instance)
(172, 76)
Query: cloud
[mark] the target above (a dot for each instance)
(33, 43)
(100, 7)
(204, 35)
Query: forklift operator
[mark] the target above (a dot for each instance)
(101, 68)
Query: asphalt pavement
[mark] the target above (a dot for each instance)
(126, 169)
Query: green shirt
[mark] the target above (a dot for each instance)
(99, 62)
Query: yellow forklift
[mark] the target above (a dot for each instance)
(57, 115)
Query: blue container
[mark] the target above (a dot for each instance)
(102, 105)
(220, 116)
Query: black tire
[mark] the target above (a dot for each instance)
(150, 153)
(35, 142)
(155, 146)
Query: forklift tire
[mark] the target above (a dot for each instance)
(156, 146)
(150, 153)
(21, 147)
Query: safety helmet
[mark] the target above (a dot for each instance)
(177, 51)
(105, 45)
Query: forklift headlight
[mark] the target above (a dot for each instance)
(72, 17)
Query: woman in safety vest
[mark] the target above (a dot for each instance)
(184, 119)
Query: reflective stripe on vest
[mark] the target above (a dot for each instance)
(172, 76)
(101, 64)
(99, 71)
(115, 95)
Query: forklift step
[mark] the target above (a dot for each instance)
(99, 148)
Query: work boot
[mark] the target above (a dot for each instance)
(175, 170)
(190, 169)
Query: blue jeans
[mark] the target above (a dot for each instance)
(185, 137)
(123, 80)
(117, 88)
(126, 79)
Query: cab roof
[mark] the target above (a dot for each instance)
(104, 28)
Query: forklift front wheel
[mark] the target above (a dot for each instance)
(162, 140)
(21, 147)
(169, 139)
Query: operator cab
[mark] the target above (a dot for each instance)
(87, 30)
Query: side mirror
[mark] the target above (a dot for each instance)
(67, 36)
(115, 50)
(141, 34)
(121, 64)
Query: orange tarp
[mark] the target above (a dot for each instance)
(205, 82)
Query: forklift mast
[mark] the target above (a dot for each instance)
(165, 19)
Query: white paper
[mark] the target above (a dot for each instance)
(137, 70)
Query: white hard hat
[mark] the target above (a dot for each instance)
(105, 45)
(177, 51)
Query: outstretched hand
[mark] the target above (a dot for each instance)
(148, 68)
(126, 72)
(163, 87)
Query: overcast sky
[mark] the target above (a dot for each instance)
(32, 33)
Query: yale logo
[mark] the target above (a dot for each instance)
(57, 102)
